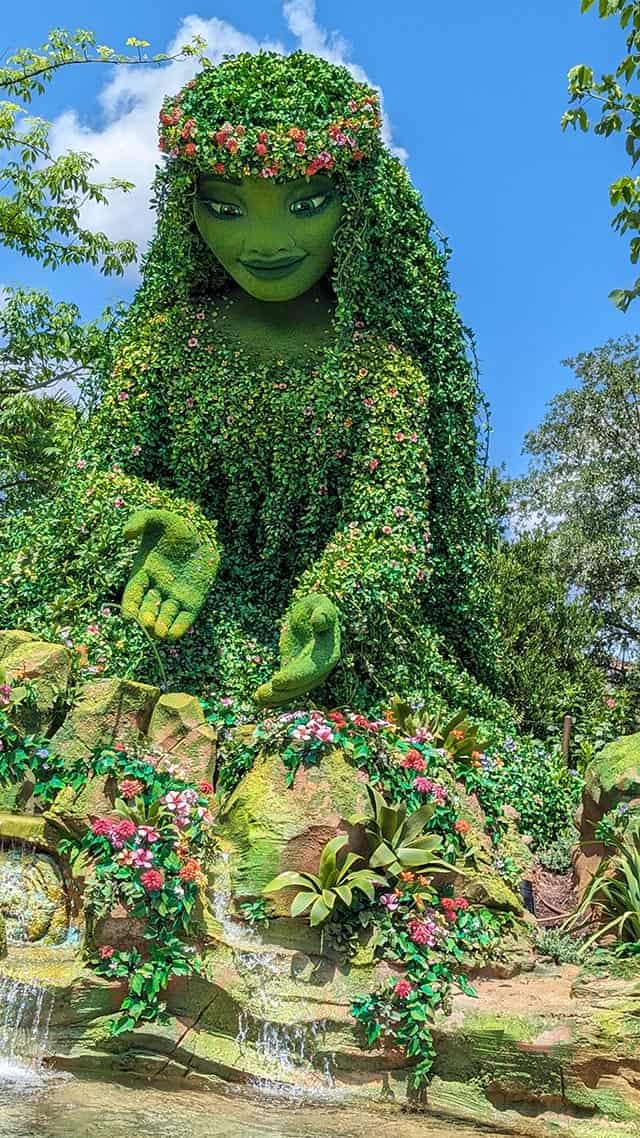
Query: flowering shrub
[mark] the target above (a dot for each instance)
(147, 856)
(430, 936)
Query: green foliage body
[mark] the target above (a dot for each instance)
(351, 474)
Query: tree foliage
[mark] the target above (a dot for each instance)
(616, 103)
(584, 483)
(42, 194)
(549, 636)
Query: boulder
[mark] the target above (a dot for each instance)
(11, 638)
(48, 667)
(611, 779)
(269, 827)
(178, 728)
(106, 712)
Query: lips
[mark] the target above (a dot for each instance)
(272, 271)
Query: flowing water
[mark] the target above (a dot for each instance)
(73, 1108)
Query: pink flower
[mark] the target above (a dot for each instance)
(102, 827)
(119, 503)
(147, 834)
(399, 511)
(422, 932)
(390, 901)
(226, 701)
(142, 859)
(205, 787)
(399, 436)
(192, 342)
(124, 830)
(199, 315)
(131, 787)
(136, 449)
(152, 880)
(125, 857)
(123, 396)
(403, 989)
(423, 785)
(189, 402)
(387, 529)
(324, 733)
(81, 463)
(106, 951)
(374, 464)
(610, 703)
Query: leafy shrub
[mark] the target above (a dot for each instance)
(614, 893)
(332, 883)
(562, 949)
(397, 840)
(557, 857)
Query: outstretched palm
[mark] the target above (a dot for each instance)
(309, 650)
(171, 574)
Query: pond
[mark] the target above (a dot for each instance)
(33, 1105)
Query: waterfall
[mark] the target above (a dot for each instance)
(25, 1014)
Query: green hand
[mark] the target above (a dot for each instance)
(309, 650)
(171, 575)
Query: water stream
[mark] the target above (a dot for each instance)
(90, 1109)
(25, 1014)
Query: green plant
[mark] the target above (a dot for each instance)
(557, 857)
(614, 893)
(319, 893)
(456, 734)
(562, 949)
(397, 840)
(256, 912)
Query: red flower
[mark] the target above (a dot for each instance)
(261, 149)
(125, 829)
(448, 904)
(106, 951)
(413, 761)
(338, 718)
(189, 150)
(205, 788)
(461, 903)
(131, 787)
(190, 870)
(152, 880)
(102, 827)
(374, 464)
(461, 827)
(403, 989)
(219, 167)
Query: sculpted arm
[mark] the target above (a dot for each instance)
(368, 585)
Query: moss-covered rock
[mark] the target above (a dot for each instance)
(269, 827)
(48, 668)
(611, 778)
(106, 712)
(178, 727)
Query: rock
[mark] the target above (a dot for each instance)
(107, 711)
(270, 827)
(11, 638)
(486, 888)
(74, 809)
(178, 727)
(611, 779)
(48, 667)
(33, 897)
(30, 830)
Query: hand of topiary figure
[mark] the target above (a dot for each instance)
(309, 650)
(171, 575)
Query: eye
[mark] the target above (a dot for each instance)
(310, 205)
(221, 209)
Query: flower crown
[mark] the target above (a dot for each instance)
(281, 152)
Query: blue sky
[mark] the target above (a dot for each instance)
(473, 92)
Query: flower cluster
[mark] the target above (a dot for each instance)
(195, 126)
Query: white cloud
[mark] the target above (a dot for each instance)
(125, 146)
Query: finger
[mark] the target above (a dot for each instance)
(320, 621)
(149, 608)
(168, 612)
(183, 621)
(134, 591)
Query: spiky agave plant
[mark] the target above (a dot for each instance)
(615, 892)
(397, 840)
(318, 893)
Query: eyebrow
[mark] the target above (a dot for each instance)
(213, 179)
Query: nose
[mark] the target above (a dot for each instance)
(268, 241)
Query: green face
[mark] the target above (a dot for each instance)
(274, 239)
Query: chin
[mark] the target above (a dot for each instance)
(273, 293)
